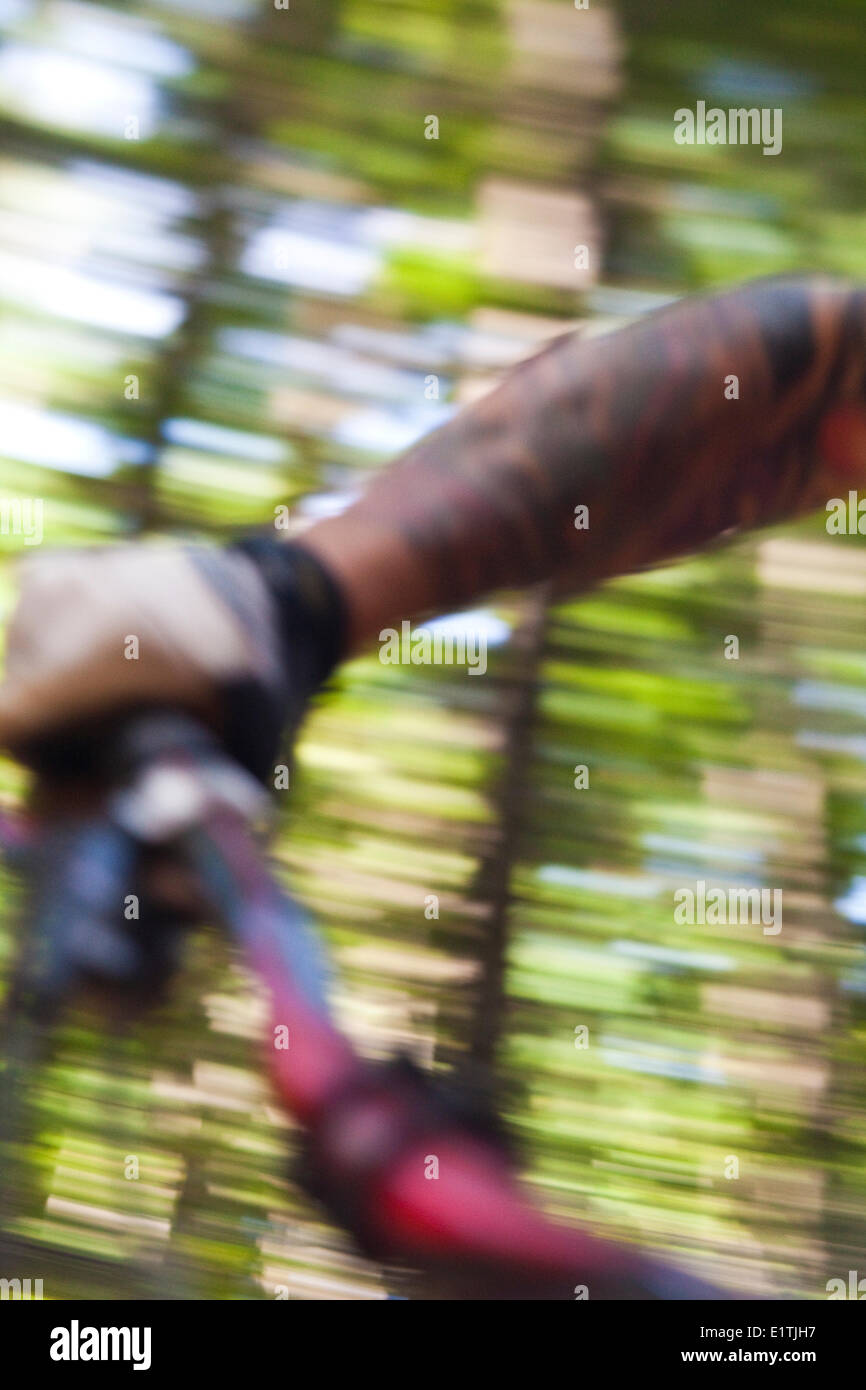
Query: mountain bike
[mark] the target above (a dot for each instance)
(419, 1176)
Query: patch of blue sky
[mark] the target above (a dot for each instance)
(852, 904)
(478, 623)
(68, 293)
(658, 1061)
(344, 371)
(71, 92)
(50, 439)
(309, 260)
(216, 439)
(389, 432)
(841, 699)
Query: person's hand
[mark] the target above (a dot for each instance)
(216, 633)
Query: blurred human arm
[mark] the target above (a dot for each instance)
(719, 413)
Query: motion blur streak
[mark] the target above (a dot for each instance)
(236, 276)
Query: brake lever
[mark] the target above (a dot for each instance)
(174, 776)
(186, 792)
(86, 919)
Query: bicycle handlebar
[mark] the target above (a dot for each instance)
(372, 1133)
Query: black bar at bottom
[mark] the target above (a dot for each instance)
(267, 1338)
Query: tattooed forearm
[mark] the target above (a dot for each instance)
(718, 413)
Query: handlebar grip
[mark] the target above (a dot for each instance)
(83, 875)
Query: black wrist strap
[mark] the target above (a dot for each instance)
(310, 610)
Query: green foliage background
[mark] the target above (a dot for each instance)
(554, 904)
